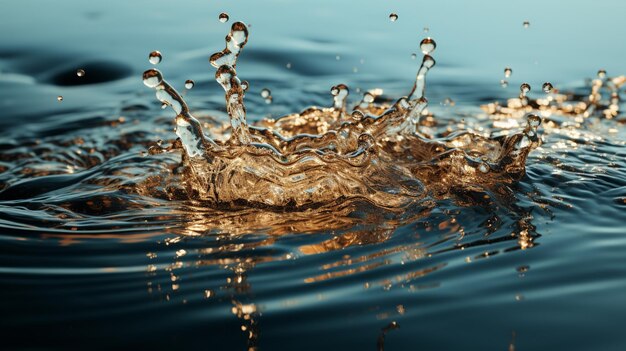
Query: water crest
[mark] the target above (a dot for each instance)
(372, 151)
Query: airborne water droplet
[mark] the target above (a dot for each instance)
(223, 17)
(288, 65)
(265, 93)
(59, 98)
(526, 24)
(393, 17)
(428, 45)
(189, 84)
(155, 57)
(413, 56)
(524, 88)
(504, 83)
(245, 85)
(507, 72)
(547, 87)
(80, 72)
(426, 29)
(601, 74)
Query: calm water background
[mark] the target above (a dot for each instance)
(77, 275)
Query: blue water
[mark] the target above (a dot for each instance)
(87, 261)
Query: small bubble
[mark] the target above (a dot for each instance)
(80, 72)
(59, 98)
(288, 65)
(413, 56)
(601, 74)
(504, 83)
(337, 57)
(428, 45)
(189, 84)
(223, 17)
(526, 24)
(507, 72)
(547, 87)
(393, 17)
(524, 88)
(266, 93)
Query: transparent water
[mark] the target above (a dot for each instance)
(88, 260)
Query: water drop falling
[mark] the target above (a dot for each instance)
(426, 29)
(507, 72)
(428, 45)
(393, 17)
(265, 93)
(526, 24)
(547, 87)
(288, 65)
(524, 88)
(80, 72)
(223, 17)
(413, 56)
(602, 74)
(155, 57)
(59, 98)
(189, 84)
(504, 83)
(245, 85)
(337, 57)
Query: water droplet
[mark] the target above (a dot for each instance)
(601, 74)
(245, 85)
(504, 83)
(163, 106)
(547, 87)
(189, 84)
(59, 98)
(507, 72)
(448, 102)
(526, 24)
(413, 56)
(357, 115)
(155, 57)
(152, 78)
(524, 88)
(426, 29)
(428, 45)
(288, 65)
(265, 93)
(223, 17)
(337, 57)
(80, 72)
(393, 17)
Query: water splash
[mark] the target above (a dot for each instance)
(322, 155)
